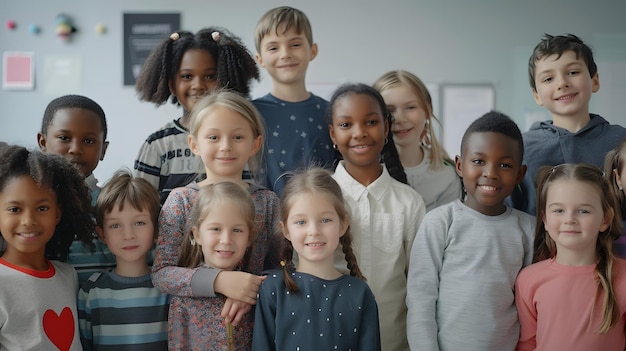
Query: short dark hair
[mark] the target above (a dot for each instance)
(72, 101)
(557, 45)
(495, 122)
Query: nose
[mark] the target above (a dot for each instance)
(76, 146)
(359, 131)
(397, 116)
(570, 218)
(490, 170)
(225, 237)
(312, 229)
(225, 144)
(563, 81)
(128, 233)
(199, 83)
(27, 218)
(284, 52)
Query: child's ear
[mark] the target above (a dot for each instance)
(41, 141)
(100, 232)
(344, 228)
(259, 59)
(608, 219)
(283, 229)
(195, 235)
(313, 51)
(521, 173)
(595, 83)
(192, 145)
(538, 100)
(258, 143)
(618, 179)
(331, 132)
(105, 146)
(458, 166)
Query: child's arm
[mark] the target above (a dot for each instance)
(369, 335)
(423, 283)
(166, 275)
(264, 331)
(527, 316)
(84, 319)
(147, 164)
(234, 310)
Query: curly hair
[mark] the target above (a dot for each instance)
(389, 154)
(63, 178)
(235, 66)
(495, 122)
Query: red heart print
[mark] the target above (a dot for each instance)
(59, 328)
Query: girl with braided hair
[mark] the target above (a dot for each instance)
(183, 68)
(315, 304)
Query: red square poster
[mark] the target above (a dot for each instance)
(17, 70)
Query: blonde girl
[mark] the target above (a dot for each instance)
(226, 133)
(44, 206)
(615, 171)
(315, 304)
(573, 297)
(428, 168)
(223, 227)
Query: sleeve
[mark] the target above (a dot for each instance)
(369, 336)
(416, 218)
(84, 318)
(264, 331)
(166, 275)
(527, 315)
(423, 281)
(452, 190)
(148, 164)
(276, 239)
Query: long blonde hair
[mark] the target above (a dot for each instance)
(393, 79)
(545, 247)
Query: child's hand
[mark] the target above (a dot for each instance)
(238, 285)
(234, 310)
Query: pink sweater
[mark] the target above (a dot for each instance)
(554, 303)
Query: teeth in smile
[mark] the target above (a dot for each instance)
(315, 244)
(566, 97)
(487, 187)
(29, 235)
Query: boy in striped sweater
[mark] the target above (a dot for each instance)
(121, 309)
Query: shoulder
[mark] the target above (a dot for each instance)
(170, 128)
(534, 271)
(524, 219)
(274, 280)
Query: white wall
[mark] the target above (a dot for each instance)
(442, 41)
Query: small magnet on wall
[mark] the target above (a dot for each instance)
(100, 28)
(34, 29)
(11, 24)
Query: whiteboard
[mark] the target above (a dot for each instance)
(461, 104)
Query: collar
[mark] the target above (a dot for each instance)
(92, 182)
(356, 190)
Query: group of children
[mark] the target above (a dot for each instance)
(293, 223)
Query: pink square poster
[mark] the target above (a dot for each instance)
(17, 70)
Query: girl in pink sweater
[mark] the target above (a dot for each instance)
(574, 296)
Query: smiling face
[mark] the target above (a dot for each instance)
(78, 135)
(314, 228)
(409, 115)
(573, 218)
(490, 166)
(564, 86)
(128, 233)
(286, 56)
(196, 77)
(224, 235)
(28, 218)
(225, 142)
(358, 129)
